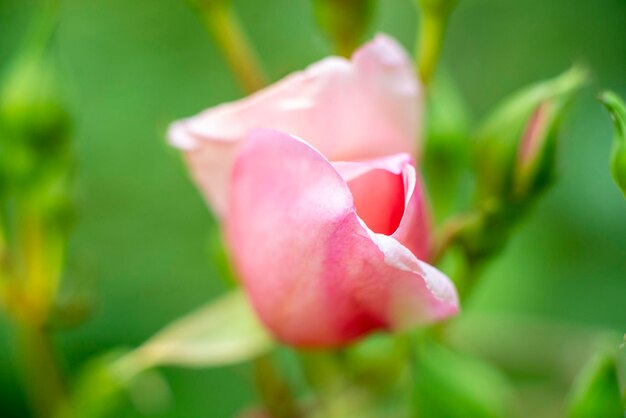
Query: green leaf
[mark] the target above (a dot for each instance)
(449, 384)
(98, 390)
(596, 392)
(617, 108)
(224, 332)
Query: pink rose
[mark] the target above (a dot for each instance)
(348, 110)
(327, 232)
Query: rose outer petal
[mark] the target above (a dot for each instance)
(316, 275)
(349, 110)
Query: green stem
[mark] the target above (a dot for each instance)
(472, 270)
(3, 277)
(451, 231)
(415, 347)
(430, 43)
(345, 47)
(274, 390)
(221, 21)
(42, 378)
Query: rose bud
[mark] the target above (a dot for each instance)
(329, 252)
(514, 159)
(617, 108)
(34, 124)
(514, 150)
(324, 214)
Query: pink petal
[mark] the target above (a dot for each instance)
(388, 197)
(316, 274)
(349, 110)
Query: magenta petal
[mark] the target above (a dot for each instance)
(317, 276)
(364, 108)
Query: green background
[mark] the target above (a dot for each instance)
(141, 249)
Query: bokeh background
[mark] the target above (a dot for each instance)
(143, 248)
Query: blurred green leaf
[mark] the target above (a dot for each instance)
(105, 381)
(99, 387)
(596, 392)
(449, 384)
(226, 331)
(526, 345)
(617, 108)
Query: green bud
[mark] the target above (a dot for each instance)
(616, 106)
(35, 153)
(344, 21)
(514, 159)
(34, 125)
(596, 391)
(514, 149)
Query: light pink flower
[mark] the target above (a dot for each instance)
(327, 252)
(348, 110)
(324, 213)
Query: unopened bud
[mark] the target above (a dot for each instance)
(515, 149)
(34, 126)
(344, 21)
(617, 108)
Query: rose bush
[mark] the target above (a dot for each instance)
(322, 207)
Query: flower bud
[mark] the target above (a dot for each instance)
(514, 150)
(617, 108)
(344, 21)
(34, 126)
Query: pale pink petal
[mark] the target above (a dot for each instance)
(388, 197)
(349, 110)
(316, 274)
